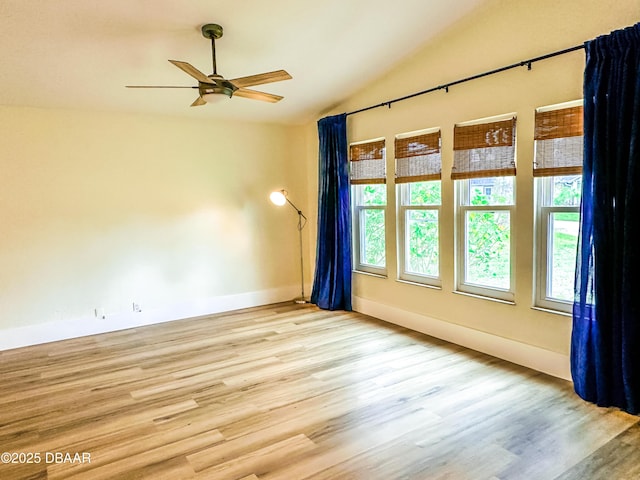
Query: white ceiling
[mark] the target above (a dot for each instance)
(81, 53)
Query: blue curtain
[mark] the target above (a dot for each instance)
(605, 343)
(332, 281)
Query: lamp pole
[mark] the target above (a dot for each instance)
(300, 226)
(279, 198)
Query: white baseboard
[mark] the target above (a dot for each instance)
(536, 358)
(80, 327)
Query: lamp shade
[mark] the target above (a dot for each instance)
(215, 97)
(278, 197)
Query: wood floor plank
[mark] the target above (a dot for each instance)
(619, 455)
(292, 392)
(274, 456)
(140, 448)
(93, 432)
(338, 445)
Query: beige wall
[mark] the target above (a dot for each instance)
(101, 210)
(500, 33)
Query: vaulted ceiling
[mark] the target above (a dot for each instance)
(81, 53)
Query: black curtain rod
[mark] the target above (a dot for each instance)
(446, 86)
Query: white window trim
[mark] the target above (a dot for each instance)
(461, 192)
(494, 118)
(422, 131)
(541, 250)
(358, 233)
(403, 239)
(560, 106)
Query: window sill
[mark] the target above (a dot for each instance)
(551, 310)
(371, 274)
(484, 297)
(419, 284)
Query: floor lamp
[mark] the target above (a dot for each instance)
(279, 197)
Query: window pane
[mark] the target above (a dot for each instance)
(372, 234)
(375, 194)
(488, 249)
(490, 191)
(424, 193)
(422, 242)
(567, 190)
(563, 239)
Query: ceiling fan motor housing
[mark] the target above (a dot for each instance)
(221, 86)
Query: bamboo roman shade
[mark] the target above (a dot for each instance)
(418, 158)
(559, 142)
(484, 150)
(367, 162)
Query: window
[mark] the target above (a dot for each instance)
(369, 201)
(418, 167)
(485, 236)
(558, 172)
(484, 171)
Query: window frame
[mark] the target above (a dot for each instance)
(359, 241)
(560, 121)
(462, 208)
(404, 208)
(375, 173)
(544, 209)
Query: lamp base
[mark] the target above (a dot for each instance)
(300, 300)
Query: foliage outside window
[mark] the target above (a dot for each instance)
(485, 214)
(557, 225)
(369, 203)
(419, 234)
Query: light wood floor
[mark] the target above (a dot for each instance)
(292, 392)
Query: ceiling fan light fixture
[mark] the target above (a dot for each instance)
(214, 94)
(220, 88)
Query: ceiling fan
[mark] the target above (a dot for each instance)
(211, 87)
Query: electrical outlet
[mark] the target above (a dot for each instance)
(136, 307)
(99, 313)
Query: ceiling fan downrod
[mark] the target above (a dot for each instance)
(212, 31)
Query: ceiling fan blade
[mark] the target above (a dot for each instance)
(155, 86)
(255, 95)
(198, 102)
(261, 78)
(193, 71)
